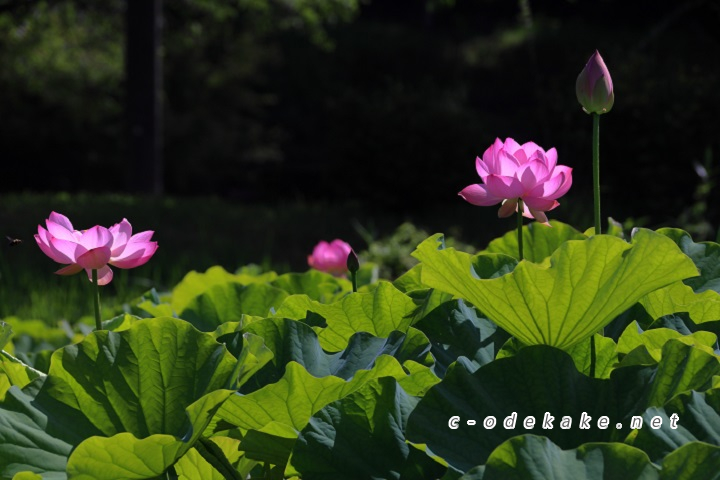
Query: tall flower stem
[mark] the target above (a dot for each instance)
(519, 228)
(596, 170)
(596, 195)
(98, 321)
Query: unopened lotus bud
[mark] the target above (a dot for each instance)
(353, 264)
(594, 87)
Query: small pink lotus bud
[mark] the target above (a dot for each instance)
(594, 88)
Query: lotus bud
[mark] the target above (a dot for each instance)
(594, 88)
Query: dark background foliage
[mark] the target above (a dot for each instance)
(382, 102)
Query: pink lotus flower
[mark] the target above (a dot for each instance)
(594, 87)
(330, 257)
(95, 248)
(511, 171)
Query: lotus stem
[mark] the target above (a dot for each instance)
(596, 170)
(98, 320)
(519, 228)
(353, 278)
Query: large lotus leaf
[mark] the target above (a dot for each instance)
(150, 304)
(683, 368)
(142, 379)
(653, 340)
(682, 323)
(37, 433)
(459, 330)
(253, 356)
(605, 356)
(317, 285)
(705, 255)
(530, 457)
(678, 297)
(193, 466)
(196, 283)
(696, 418)
(693, 461)
(125, 456)
(362, 436)
(227, 302)
(284, 408)
(539, 241)
(122, 322)
(15, 372)
(410, 280)
(426, 299)
(538, 379)
(293, 341)
(379, 313)
(582, 287)
(159, 383)
(296, 396)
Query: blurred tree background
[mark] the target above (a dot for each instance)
(382, 102)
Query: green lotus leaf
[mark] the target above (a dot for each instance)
(293, 341)
(455, 330)
(678, 297)
(282, 409)
(153, 387)
(654, 340)
(123, 455)
(426, 299)
(363, 433)
(150, 305)
(317, 285)
(379, 313)
(605, 355)
(566, 298)
(15, 372)
(705, 255)
(537, 380)
(693, 461)
(38, 432)
(227, 302)
(196, 283)
(531, 457)
(253, 356)
(193, 465)
(689, 417)
(539, 241)
(121, 322)
(682, 368)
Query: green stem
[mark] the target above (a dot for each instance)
(519, 228)
(596, 170)
(98, 321)
(592, 356)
